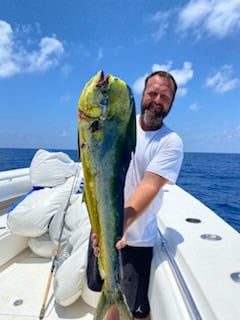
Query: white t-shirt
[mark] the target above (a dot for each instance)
(160, 152)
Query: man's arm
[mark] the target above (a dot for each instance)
(140, 200)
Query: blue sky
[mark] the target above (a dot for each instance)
(50, 48)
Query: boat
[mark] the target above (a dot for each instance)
(195, 272)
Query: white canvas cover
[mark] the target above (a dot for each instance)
(42, 214)
(71, 271)
(49, 169)
(31, 217)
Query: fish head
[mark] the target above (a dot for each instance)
(103, 97)
(106, 113)
(94, 98)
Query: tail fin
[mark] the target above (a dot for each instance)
(112, 298)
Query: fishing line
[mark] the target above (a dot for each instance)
(58, 247)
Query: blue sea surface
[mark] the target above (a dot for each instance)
(212, 178)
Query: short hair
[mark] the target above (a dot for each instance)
(163, 74)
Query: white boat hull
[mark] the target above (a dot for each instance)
(190, 276)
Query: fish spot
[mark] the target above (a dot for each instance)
(83, 145)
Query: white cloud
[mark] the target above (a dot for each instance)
(182, 76)
(8, 65)
(232, 133)
(100, 54)
(50, 50)
(182, 91)
(66, 70)
(64, 134)
(138, 85)
(23, 30)
(194, 107)
(165, 67)
(214, 17)
(161, 19)
(15, 58)
(223, 80)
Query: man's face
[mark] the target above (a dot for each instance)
(156, 101)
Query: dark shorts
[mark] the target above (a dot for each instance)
(136, 272)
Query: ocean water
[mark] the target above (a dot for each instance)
(212, 178)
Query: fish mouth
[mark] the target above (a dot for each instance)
(103, 85)
(103, 80)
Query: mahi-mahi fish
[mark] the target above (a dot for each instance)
(106, 113)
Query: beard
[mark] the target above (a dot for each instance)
(152, 115)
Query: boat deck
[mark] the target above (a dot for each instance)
(23, 284)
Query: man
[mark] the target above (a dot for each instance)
(157, 161)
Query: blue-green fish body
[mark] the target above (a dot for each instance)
(106, 140)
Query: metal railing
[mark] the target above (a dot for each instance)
(187, 297)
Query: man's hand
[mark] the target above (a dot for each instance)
(95, 244)
(122, 242)
(119, 245)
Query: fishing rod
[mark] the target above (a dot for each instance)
(57, 249)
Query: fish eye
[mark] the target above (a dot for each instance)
(95, 126)
(104, 91)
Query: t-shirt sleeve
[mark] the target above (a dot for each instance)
(168, 160)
